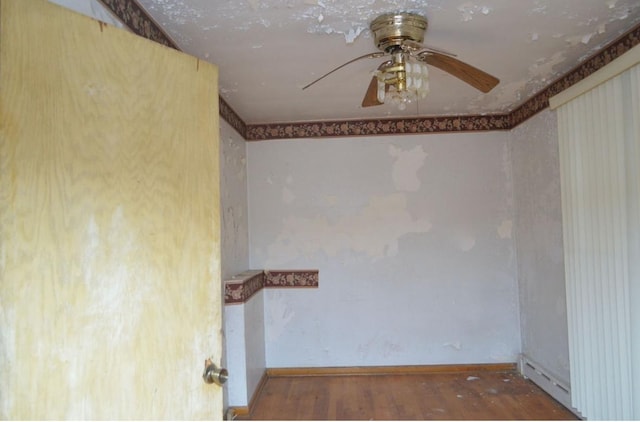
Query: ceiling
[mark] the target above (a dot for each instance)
(267, 50)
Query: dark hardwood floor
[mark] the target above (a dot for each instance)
(438, 396)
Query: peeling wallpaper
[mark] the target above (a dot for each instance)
(412, 238)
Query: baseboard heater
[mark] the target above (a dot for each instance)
(543, 379)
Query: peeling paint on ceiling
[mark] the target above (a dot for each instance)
(267, 50)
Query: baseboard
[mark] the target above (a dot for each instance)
(389, 370)
(245, 411)
(544, 379)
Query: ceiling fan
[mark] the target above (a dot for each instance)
(405, 76)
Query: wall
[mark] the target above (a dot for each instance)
(233, 201)
(536, 178)
(244, 326)
(245, 349)
(413, 239)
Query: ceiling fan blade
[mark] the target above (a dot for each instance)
(463, 71)
(417, 46)
(366, 56)
(371, 97)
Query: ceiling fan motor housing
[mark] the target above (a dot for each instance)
(392, 29)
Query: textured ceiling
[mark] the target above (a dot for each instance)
(267, 50)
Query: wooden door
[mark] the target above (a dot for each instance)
(109, 222)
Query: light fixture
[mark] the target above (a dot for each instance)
(402, 80)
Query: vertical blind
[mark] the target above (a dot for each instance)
(599, 142)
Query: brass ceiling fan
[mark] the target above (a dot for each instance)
(405, 76)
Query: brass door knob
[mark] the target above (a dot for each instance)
(214, 375)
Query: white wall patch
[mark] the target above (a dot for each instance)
(405, 169)
(464, 241)
(505, 229)
(374, 231)
(287, 196)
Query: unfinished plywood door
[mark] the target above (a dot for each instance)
(109, 222)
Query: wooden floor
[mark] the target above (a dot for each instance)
(466, 395)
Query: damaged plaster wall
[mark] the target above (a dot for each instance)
(412, 237)
(244, 327)
(536, 178)
(233, 202)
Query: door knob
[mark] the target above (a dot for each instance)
(214, 375)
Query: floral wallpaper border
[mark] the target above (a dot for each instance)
(373, 127)
(231, 117)
(291, 278)
(243, 286)
(134, 17)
